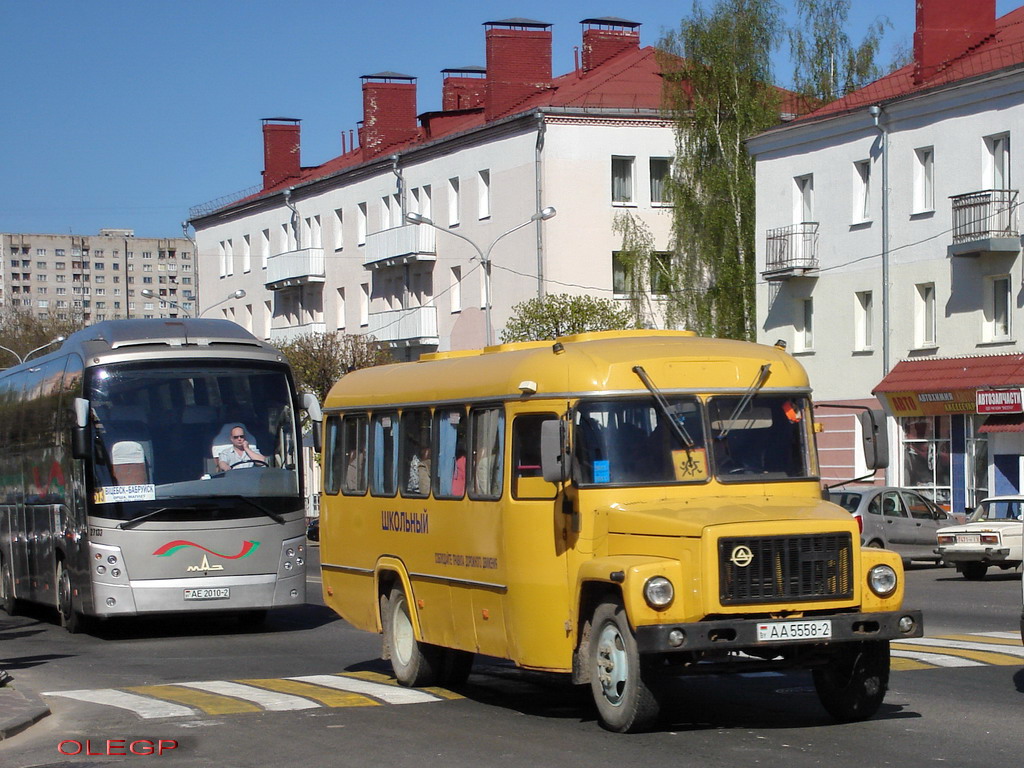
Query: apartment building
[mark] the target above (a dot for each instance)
(330, 247)
(98, 277)
(889, 256)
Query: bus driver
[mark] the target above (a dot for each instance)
(239, 452)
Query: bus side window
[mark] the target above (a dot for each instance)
(334, 456)
(487, 436)
(450, 450)
(354, 445)
(414, 456)
(384, 450)
(527, 480)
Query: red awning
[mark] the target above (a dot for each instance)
(1003, 422)
(941, 375)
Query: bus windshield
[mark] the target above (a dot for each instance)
(168, 430)
(735, 438)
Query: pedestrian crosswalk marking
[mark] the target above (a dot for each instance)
(970, 650)
(272, 701)
(391, 694)
(143, 706)
(378, 677)
(198, 701)
(326, 696)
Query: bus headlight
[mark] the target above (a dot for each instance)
(883, 580)
(658, 592)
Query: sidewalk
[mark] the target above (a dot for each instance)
(19, 709)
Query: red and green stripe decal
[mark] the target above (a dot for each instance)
(248, 547)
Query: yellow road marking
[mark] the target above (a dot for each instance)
(377, 677)
(998, 659)
(982, 639)
(210, 703)
(902, 665)
(326, 696)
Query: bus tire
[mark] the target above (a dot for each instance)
(7, 601)
(625, 701)
(456, 667)
(853, 684)
(415, 664)
(70, 619)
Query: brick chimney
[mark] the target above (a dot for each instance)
(948, 28)
(518, 63)
(280, 150)
(607, 37)
(389, 112)
(463, 88)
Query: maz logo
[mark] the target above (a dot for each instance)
(205, 566)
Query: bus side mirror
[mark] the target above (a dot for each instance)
(312, 406)
(554, 460)
(80, 429)
(875, 442)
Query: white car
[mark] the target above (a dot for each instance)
(990, 537)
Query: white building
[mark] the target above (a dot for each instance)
(328, 248)
(889, 255)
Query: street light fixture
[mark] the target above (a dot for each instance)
(485, 256)
(239, 294)
(22, 359)
(147, 293)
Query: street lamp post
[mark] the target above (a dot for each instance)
(147, 293)
(22, 359)
(485, 256)
(239, 294)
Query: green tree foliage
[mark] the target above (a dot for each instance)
(21, 331)
(717, 74)
(318, 360)
(826, 64)
(561, 314)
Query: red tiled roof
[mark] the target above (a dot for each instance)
(1003, 49)
(944, 374)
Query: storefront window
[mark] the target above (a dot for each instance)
(977, 463)
(926, 455)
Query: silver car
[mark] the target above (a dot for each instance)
(895, 518)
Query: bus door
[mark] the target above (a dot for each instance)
(535, 542)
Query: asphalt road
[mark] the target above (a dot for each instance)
(954, 700)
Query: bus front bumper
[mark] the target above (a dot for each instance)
(740, 634)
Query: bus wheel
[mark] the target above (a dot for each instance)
(853, 683)
(7, 601)
(625, 702)
(415, 664)
(456, 667)
(974, 571)
(70, 619)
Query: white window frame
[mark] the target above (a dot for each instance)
(264, 246)
(361, 224)
(803, 200)
(455, 289)
(246, 253)
(805, 327)
(661, 199)
(341, 309)
(483, 197)
(364, 304)
(339, 229)
(925, 316)
(998, 301)
(864, 325)
(924, 180)
(997, 161)
(453, 201)
(861, 191)
(623, 192)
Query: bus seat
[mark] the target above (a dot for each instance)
(128, 463)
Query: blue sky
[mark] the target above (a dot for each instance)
(124, 113)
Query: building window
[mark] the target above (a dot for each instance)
(385, 213)
(315, 233)
(977, 462)
(361, 224)
(864, 308)
(861, 191)
(661, 169)
(453, 202)
(246, 254)
(997, 161)
(341, 308)
(926, 455)
(924, 180)
(805, 327)
(339, 230)
(484, 194)
(997, 309)
(455, 289)
(364, 304)
(803, 203)
(264, 250)
(924, 315)
(222, 253)
(622, 180)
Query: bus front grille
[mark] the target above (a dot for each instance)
(771, 569)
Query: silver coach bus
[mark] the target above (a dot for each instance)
(112, 499)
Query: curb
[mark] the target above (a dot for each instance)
(19, 710)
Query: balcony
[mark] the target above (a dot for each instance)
(291, 332)
(792, 251)
(291, 268)
(399, 245)
(415, 326)
(985, 222)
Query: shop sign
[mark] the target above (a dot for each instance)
(931, 403)
(1000, 401)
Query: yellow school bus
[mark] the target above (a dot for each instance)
(619, 506)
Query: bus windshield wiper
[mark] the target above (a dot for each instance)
(143, 518)
(268, 512)
(663, 406)
(759, 380)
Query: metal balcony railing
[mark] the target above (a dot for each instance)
(990, 213)
(305, 265)
(397, 245)
(791, 251)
